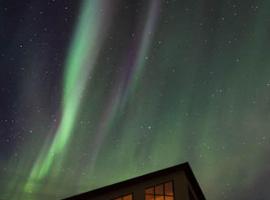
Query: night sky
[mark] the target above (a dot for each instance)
(94, 92)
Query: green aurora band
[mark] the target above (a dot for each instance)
(173, 82)
(79, 65)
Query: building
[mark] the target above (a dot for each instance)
(174, 183)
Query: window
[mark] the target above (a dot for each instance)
(125, 197)
(162, 191)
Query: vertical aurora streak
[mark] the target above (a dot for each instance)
(133, 67)
(79, 65)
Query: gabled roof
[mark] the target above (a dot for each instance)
(181, 167)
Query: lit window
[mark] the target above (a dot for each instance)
(160, 192)
(125, 197)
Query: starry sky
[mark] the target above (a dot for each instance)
(93, 92)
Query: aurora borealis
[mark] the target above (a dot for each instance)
(98, 91)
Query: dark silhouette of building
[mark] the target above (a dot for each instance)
(174, 183)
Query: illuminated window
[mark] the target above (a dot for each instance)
(125, 197)
(160, 192)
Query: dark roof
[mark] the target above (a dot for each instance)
(181, 167)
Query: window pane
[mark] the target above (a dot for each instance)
(149, 190)
(159, 197)
(149, 197)
(168, 198)
(168, 188)
(159, 189)
(127, 197)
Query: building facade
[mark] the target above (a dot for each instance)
(174, 183)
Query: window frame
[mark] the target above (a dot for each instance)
(163, 186)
